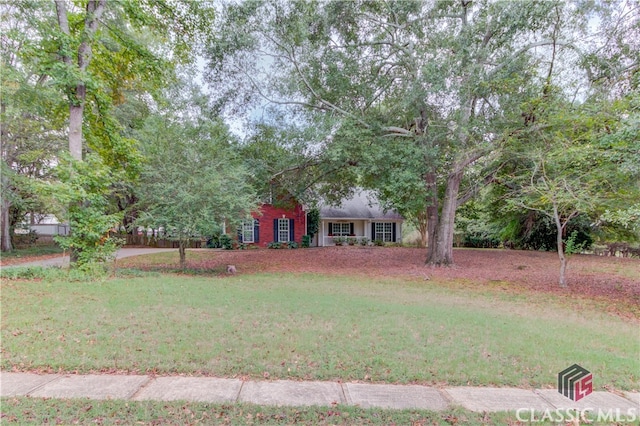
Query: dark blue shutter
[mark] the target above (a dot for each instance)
(373, 231)
(351, 229)
(330, 228)
(256, 231)
(292, 234)
(275, 230)
(240, 234)
(393, 233)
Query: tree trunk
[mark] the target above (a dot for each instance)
(5, 227)
(183, 255)
(443, 254)
(75, 129)
(5, 222)
(432, 215)
(561, 255)
(423, 225)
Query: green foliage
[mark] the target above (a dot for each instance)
(339, 241)
(572, 246)
(214, 241)
(313, 222)
(379, 243)
(274, 245)
(193, 179)
(81, 197)
(306, 241)
(364, 241)
(226, 242)
(475, 227)
(292, 245)
(534, 231)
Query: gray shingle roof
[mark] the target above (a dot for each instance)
(363, 205)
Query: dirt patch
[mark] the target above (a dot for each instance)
(593, 276)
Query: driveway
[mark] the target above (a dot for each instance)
(64, 260)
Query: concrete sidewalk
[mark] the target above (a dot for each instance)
(301, 393)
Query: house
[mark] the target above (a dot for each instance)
(274, 224)
(360, 217)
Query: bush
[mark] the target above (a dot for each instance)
(226, 242)
(306, 241)
(292, 245)
(364, 241)
(351, 241)
(378, 243)
(214, 241)
(274, 245)
(339, 240)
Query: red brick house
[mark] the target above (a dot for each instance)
(274, 224)
(360, 217)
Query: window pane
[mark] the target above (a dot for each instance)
(247, 231)
(341, 229)
(283, 230)
(384, 232)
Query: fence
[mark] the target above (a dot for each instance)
(152, 241)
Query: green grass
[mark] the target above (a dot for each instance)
(35, 411)
(312, 327)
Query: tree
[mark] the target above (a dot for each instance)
(29, 137)
(573, 161)
(94, 48)
(193, 180)
(448, 76)
(93, 53)
(81, 195)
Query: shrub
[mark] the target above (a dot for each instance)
(364, 241)
(292, 245)
(306, 241)
(242, 246)
(214, 241)
(378, 243)
(351, 241)
(572, 246)
(226, 242)
(339, 240)
(274, 245)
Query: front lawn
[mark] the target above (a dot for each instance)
(312, 326)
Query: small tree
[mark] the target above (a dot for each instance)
(192, 181)
(81, 197)
(575, 160)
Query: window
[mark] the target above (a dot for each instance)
(341, 229)
(283, 230)
(247, 228)
(384, 232)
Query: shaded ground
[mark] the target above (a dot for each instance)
(616, 279)
(19, 260)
